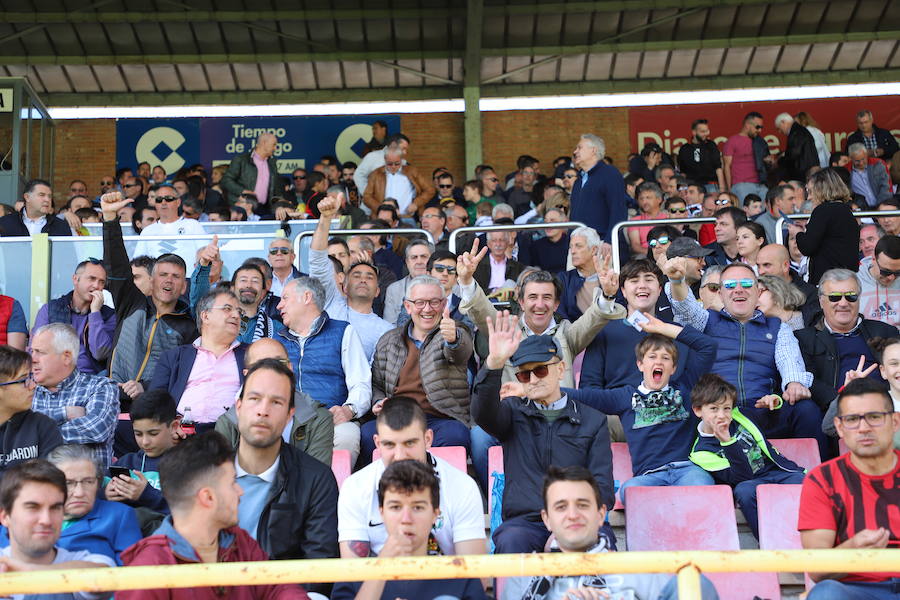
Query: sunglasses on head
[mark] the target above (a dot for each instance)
(441, 268)
(279, 250)
(660, 241)
(836, 296)
(540, 372)
(730, 284)
(166, 198)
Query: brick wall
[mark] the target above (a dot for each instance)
(85, 149)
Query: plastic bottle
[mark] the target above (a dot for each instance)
(187, 422)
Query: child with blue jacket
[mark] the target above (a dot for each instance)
(733, 449)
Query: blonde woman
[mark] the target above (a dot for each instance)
(780, 299)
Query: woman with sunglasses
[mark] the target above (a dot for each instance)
(658, 241)
(780, 299)
(831, 237)
(750, 238)
(23, 434)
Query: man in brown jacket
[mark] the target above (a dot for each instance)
(402, 182)
(425, 360)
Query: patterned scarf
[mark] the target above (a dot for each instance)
(540, 585)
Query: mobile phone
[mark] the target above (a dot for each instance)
(116, 471)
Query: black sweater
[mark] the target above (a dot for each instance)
(831, 240)
(25, 436)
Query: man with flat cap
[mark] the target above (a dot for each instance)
(543, 428)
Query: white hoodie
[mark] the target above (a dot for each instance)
(876, 301)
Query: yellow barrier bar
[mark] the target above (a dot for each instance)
(689, 583)
(444, 567)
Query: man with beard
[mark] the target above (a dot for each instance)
(700, 159)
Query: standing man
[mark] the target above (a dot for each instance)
(281, 259)
(780, 202)
(800, 154)
(878, 142)
(598, 196)
(739, 163)
(254, 172)
(170, 223)
(37, 214)
(399, 181)
(851, 501)
(700, 159)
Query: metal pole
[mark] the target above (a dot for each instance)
(614, 236)
(524, 227)
(779, 224)
(689, 583)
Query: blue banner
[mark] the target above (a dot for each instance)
(170, 143)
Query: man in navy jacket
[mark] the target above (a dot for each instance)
(598, 197)
(37, 214)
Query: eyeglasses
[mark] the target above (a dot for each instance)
(279, 250)
(874, 419)
(723, 202)
(494, 179)
(442, 268)
(28, 380)
(132, 185)
(445, 186)
(84, 483)
(167, 198)
(420, 304)
(886, 272)
(299, 176)
(228, 309)
(106, 182)
(713, 287)
(836, 296)
(660, 241)
(758, 127)
(540, 372)
(730, 284)
(678, 211)
(569, 176)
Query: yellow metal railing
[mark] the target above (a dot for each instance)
(687, 565)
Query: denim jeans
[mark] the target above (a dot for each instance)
(745, 494)
(482, 441)
(831, 589)
(675, 473)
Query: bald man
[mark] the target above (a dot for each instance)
(774, 260)
(312, 428)
(254, 172)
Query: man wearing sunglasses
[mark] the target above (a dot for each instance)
(851, 501)
(754, 353)
(836, 341)
(492, 190)
(171, 223)
(879, 279)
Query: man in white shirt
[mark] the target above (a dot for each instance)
(171, 223)
(373, 160)
(402, 435)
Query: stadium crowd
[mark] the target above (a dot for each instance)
(186, 417)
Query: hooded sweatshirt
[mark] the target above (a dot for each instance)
(876, 301)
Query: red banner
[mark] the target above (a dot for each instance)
(670, 126)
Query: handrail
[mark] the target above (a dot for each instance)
(779, 224)
(451, 244)
(342, 232)
(614, 236)
(160, 238)
(688, 565)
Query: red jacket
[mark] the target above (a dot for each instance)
(167, 547)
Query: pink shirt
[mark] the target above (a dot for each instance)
(212, 384)
(643, 231)
(498, 273)
(262, 178)
(743, 162)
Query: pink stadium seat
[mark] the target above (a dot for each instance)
(340, 465)
(694, 518)
(455, 455)
(495, 465)
(576, 367)
(778, 509)
(803, 451)
(621, 467)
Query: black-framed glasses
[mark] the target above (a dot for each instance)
(713, 286)
(569, 176)
(279, 250)
(106, 182)
(887, 272)
(444, 268)
(730, 284)
(660, 241)
(131, 185)
(167, 198)
(299, 177)
(28, 380)
(836, 296)
(678, 211)
(874, 419)
(433, 303)
(445, 186)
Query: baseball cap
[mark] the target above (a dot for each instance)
(685, 246)
(536, 349)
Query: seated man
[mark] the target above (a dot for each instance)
(312, 427)
(582, 279)
(494, 273)
(426, 360)
(409, 496)
(83, 309)
(525, 426)
(879, 281)
(851, 501)
(31, 488)
(403, 434)
(205, 376)
(198, 481)
(834, 343)
(755, 352)
(314, 342)
(574, 513)
(85, 407)
(416, 253)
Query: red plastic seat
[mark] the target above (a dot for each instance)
(455, 455)
(803, 451)
(621, 467)
(779, 506)
(340, 465)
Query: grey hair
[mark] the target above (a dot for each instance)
(314, 287)
(364, 243)
(783, 118)
(501, 207)
(838, 275)
(864, 113)
(709, 271)
(422, 280)
(418, 242)
(64, 338)
(336, 189)
(73, 452)
(208, 300)
(597, 142)
(393, 150)
(786, 294)
(855, 149)
(589, 234)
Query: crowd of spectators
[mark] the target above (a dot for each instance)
(162, 413)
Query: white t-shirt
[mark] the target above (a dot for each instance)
(186, 249)
(64, 555)
(461, 507)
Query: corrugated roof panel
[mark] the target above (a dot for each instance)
(220, 76)
(736, 61)
(247, 77)
(355, 74)
(576, 29)
(137, 78)
(820, 57)
(848, 55)
(166, 78)
(626, 65)
(53, 77)
(836, 17)
(748, 20)
(654, 64)
(571, 68)
(708, 62)
(382, 77)
(110, 78)
(545, 72)
(514, 62)
(598, 67)
(181, 38)
(82, 79)
(193, 77)
(682, 63)
(274, 76)
(763, 60)
(719, 22)
(521, 30)
(792, 58)
(878, 55)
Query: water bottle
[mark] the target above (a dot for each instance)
(187, 422)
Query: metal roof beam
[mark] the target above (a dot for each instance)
(195, 59)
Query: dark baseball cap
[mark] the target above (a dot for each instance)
(685, 246)
(536, 349)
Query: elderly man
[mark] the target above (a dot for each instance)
(879, 284)
(754, 351)
(868, 176)
(598, 196)
(878, 142)
(868, 238)
(254, 172)
(434, 221)
(83, 309)
(425, 360)
(835, 343)
(373, 160)
(773, 259)
(36, 215)
(328, 358)
(85, 407)
(582, 279)
(800, 153)
(400, 181)
(417, 253)
(281, 259)
(204, 376)
(494, 273)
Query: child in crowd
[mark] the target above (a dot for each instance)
(156, 429)
(733, 449)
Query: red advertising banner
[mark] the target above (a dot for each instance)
(670, 126)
